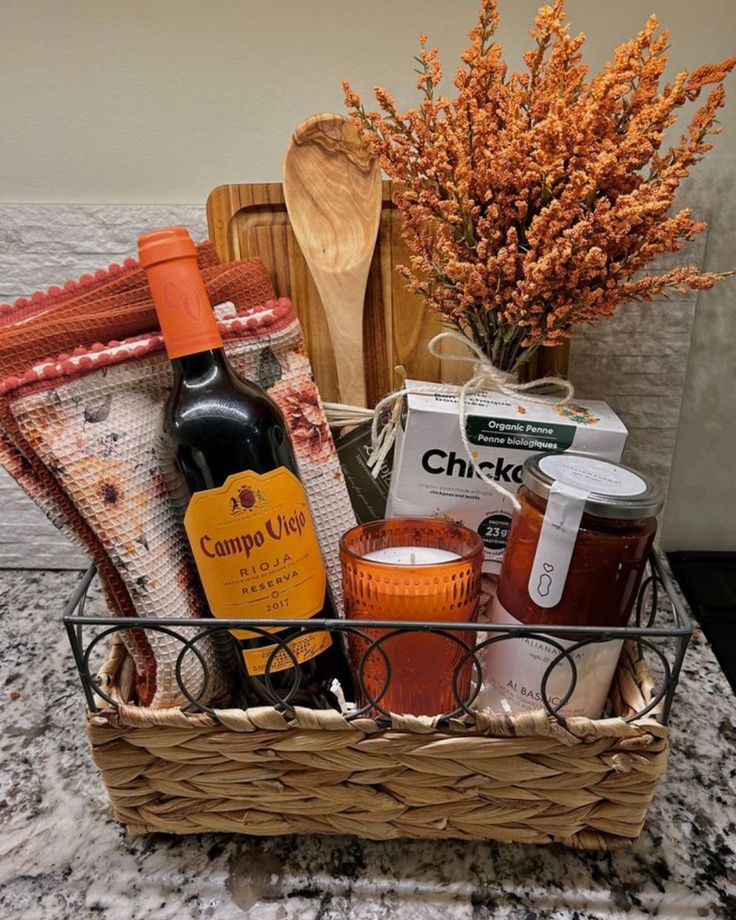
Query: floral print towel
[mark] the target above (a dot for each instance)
(89, 421)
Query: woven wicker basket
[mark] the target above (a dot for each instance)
(587, 784)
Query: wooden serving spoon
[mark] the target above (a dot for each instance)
(332, 188)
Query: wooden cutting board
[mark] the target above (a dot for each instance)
(251, 220)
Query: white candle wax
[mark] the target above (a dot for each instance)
(411, 555)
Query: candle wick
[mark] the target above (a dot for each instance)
(413, 558)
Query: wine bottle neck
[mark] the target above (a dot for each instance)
(201, 366)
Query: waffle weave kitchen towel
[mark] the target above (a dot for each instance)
(81, 425)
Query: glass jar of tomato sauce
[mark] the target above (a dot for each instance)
(575, 556)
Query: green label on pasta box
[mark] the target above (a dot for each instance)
(434, 476)
(519, 434)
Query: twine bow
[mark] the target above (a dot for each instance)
(485, 377)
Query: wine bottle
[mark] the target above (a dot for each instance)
(248, 521)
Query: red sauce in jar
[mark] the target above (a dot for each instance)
(604, 575)
(577, 560)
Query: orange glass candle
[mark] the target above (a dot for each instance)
(411, 570)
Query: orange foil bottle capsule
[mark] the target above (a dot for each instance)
(575, 556)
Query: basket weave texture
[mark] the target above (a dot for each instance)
(530, 778)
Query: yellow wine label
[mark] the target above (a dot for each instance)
(303, 647)
(256, 548)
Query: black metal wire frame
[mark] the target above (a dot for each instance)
(668, 644)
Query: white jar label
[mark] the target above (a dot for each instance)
(556, 543)
(592, 474)
(513, 670)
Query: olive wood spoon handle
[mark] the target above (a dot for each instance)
(332, 188)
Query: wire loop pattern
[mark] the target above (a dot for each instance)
(665, 646)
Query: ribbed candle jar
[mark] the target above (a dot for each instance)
(390, 573)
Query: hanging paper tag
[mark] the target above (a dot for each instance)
(556, 543)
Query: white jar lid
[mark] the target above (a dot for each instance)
(614, 491)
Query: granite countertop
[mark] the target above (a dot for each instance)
(62, 855)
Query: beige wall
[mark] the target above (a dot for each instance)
(161, 100)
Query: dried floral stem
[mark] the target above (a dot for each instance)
(532, 201)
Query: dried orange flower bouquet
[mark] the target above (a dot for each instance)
(532, 201)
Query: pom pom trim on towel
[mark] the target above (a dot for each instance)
(38, 300)
(274, 315)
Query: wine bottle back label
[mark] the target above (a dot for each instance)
(256, 549)
(273, 658)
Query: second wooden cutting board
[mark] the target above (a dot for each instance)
(250, 219)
